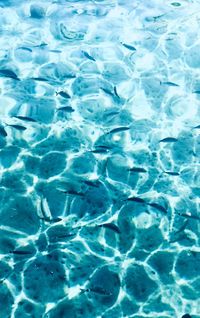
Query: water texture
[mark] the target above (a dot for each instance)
(99, 159)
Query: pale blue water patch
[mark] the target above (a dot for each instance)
(99, 159)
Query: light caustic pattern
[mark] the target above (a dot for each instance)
(99, 159)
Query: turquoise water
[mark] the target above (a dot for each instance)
(99, 159)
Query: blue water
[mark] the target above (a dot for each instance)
(99, 159)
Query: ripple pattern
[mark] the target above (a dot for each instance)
(99, 159)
